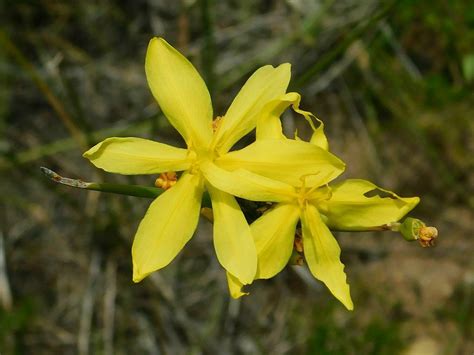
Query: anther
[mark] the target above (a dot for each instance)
(216, 123)
(415, 229)
(166, 180)
(298, 243)
(427, 236)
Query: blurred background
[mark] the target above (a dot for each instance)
(393, 82)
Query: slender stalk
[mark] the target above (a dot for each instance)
(122, 189)
(153, 192)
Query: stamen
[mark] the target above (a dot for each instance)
(166, 180)
(328, 192)
(216, 123)
(415, 229)
(427, 236)
(297, 257)
(298, 243)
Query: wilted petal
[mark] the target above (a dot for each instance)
(318, 137)
(358, 204)
(285, 160)
(274, 234)
(233, 242)
(180, 92)
(266, 84)
(235, 286)
(167, 226)
(322, 253)
(131, 156)
(250, 186)
(269, 123)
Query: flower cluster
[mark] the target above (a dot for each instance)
(293, 175)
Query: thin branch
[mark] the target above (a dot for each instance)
(122, 189)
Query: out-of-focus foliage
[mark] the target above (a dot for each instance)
(393, 82)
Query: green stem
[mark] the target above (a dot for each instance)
(153, 192)
(122, 189)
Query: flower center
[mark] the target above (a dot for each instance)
(313, 194)
(199, 158)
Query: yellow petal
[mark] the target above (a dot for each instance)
(318, 137)
(180, 92)
(233, 242)
(235, 286)
(285, 160)
(250, 186)
(167, 226)
(266, 84)
(322, 253)
(350, 208)
(274, 234)
(130, 156)
(269, 124)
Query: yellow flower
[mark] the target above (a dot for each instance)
(172, 218)
(343, 206)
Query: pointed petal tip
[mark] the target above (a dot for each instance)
(96, 148)
(157, 41)
(90, 152)
(137, 276)
(157, 44)
(286, 66)
(349, 306)
(346, 300)
(235, 286)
